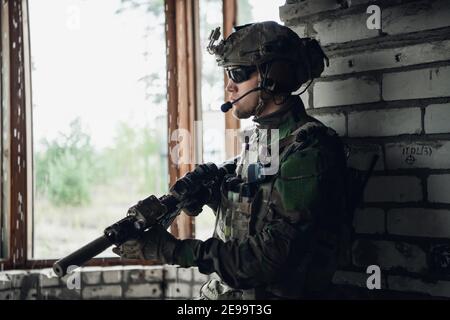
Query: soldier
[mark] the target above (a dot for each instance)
(277, 231)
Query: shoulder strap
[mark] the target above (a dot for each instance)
(297, 139)
(304, 130)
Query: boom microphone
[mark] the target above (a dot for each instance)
(229, 104)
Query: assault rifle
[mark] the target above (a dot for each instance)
(189, 192)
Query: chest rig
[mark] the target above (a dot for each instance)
(246, 195)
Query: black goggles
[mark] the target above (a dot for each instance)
(241, 73)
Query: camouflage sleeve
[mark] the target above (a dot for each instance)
(263, 257)
(303, 185)
(253, 262)
(310, 188)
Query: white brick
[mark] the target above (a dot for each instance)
(305, 8)
(369, 220)
(389, 255)
(439, 288)
(437, 118)
(154, 274)
(170, 273)
(416, 16)
(393, 189)
(16, 277)
(112, 276)
(346, 92)
(48, 278)
(426, 154)
(196, 290)
(176, 290)
(93, 292)
(439, 188)
(390, 122)
(199, 277)
(175, 273)
(354, 279)
(59, 293)
(132, 267)
(91, 276)
(136, 274)
(419, 222)
(5, 281)
(389, 58)
(334, 121)
(343, 29)
(145, 290)
(184, 274)
(416, 84)
(361, 155)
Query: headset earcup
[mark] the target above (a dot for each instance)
(315, 57)
(283, 80)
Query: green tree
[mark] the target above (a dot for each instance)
(65, 169)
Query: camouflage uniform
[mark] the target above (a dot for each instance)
(278, 240)
(277, 235)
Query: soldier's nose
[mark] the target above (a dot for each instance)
(231, 86)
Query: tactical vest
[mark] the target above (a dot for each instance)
(246, 196)
(241, 191)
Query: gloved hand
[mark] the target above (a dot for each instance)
(131, 249)
(157, 243)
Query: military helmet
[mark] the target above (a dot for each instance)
(270, 44)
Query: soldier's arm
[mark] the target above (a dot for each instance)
(258, 260)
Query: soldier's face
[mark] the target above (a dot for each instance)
(245, 107)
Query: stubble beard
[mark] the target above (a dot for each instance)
(243, 114)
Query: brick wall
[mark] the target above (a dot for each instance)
(387, 91)
(121, 282)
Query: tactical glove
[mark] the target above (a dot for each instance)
(156, 244)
